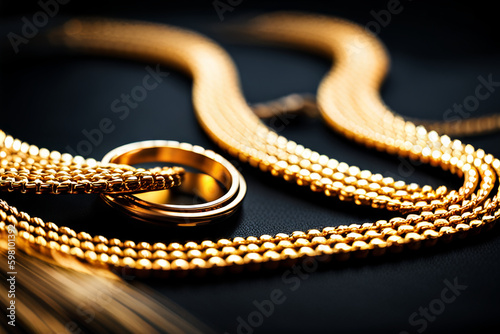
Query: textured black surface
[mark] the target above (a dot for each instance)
(437, 54)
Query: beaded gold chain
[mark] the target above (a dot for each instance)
(349, 101)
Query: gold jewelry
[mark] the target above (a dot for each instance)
(27, 168)
(185, 154)
(305, 104)
(349, 101)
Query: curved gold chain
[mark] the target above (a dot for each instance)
(349, 101)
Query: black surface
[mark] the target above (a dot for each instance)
(437, 51)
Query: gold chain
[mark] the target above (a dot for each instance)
(349, 101)
(305, 104)
(26, 168)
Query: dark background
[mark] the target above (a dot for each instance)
(437, 51)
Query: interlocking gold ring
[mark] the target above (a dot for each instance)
(215, 172)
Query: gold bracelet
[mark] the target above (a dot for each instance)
(349, 101)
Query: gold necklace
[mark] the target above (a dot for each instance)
(349, 101)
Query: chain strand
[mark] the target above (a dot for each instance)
(27, 169)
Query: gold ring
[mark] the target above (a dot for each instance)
(216, 173)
